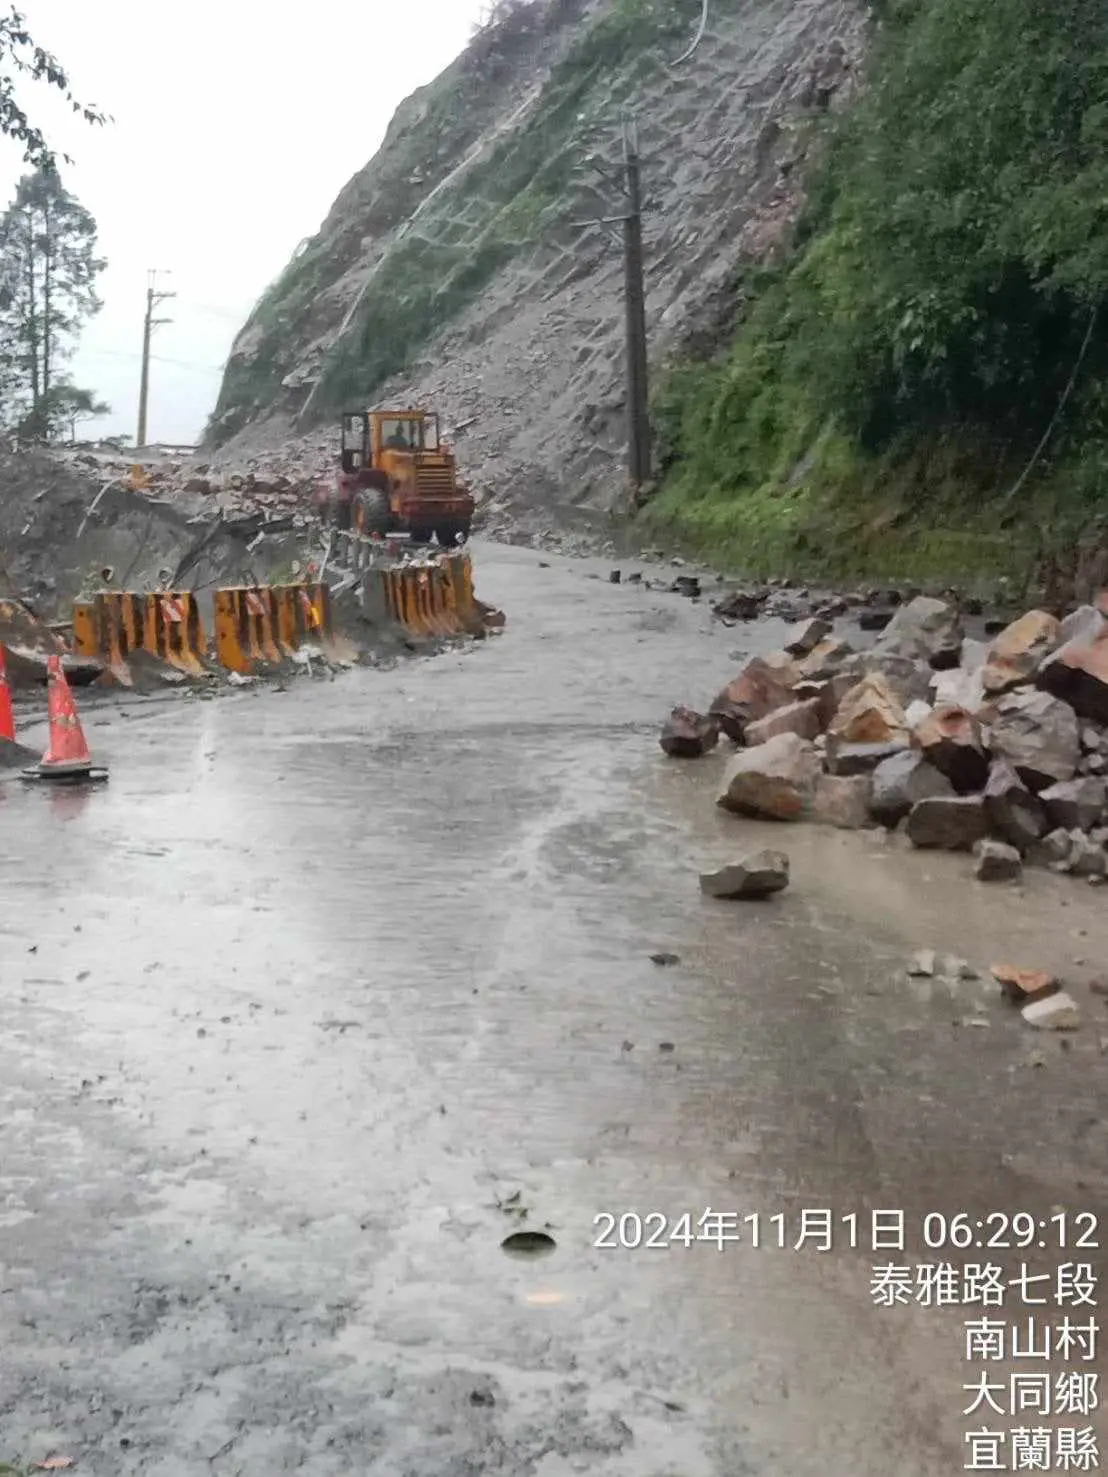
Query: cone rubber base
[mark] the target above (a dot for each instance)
(90, 776)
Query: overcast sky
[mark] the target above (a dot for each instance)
(236, 123)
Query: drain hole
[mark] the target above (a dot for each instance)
(528, 1244)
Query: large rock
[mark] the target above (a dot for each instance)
(755, 876)
(950, 822)
(926, 630)
(1037, 734)
(870, 713)
(775, 780)
(996, 861)
(1013, 812)
(963, 685)
(756, 691)
(1075, 804)
(902, 780)
(802, 638)
(842, 801)
(1078, 674)
(908, 679)
(848, 759)
(825, 659)
(1016, 654)
(687, 734)
(950, 739)
(802, 718)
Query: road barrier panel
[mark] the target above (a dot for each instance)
(263, 626)
(116, 625)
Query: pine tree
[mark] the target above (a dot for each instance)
(48, 271)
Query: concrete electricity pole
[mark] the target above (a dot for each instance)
(638, 389)
(639, 449)
(153, 298)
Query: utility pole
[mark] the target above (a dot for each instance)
(639, 450)
(149, 323)
(638, 390)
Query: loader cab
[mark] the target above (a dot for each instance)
(356, 451)
(404, 430)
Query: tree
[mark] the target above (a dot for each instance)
(48, 270)
(20, 57)
(67, 405)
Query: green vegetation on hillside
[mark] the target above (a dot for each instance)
(922, 386)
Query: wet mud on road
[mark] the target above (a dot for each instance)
(331, 990)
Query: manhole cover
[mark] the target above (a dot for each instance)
(528, 1244)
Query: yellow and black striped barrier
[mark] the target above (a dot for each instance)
(263, 625)
(116, 625)
(434, 599)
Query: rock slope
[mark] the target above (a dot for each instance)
(452, 270)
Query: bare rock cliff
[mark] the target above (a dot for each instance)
(453, 271)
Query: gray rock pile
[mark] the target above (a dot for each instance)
(997, 748)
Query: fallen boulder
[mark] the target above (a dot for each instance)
(1076, 804)
(949, 822)
(1013, 812)
(842, 801)
(1037, 734)
(926, 630)
(996, 861)
(873, 618)
(850, 759)
(1057, 1012)
(900, 782)
(741, 605)
(1078, 674)
(687, 734)
(825, 659)
(1015, 655)
(1087, 858)
(775, 780)
(950, 739)
(757, 876)
(755, 692)
(870, 713)
(907, 679)
(804, 637)
(1021, 985)
(802, 718)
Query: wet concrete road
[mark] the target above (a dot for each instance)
(328, 987)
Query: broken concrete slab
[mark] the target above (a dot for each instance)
(775, 779)
(757, 876)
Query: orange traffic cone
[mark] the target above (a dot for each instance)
(7, 717)
(67, 756)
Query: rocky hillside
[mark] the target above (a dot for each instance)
(453, 270)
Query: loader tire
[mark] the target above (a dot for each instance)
(370, 511)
